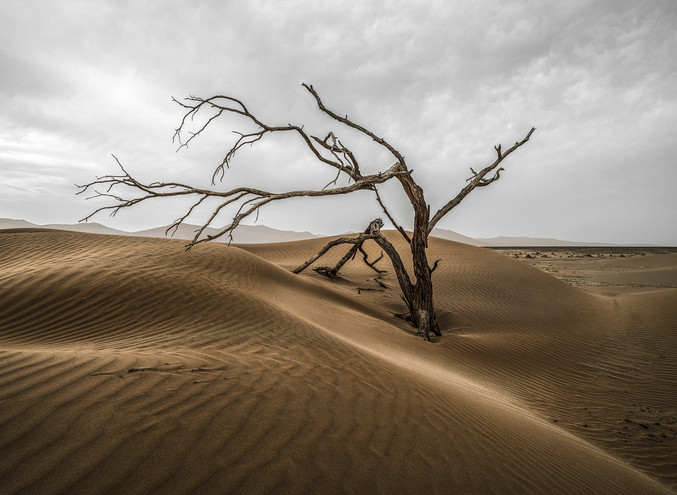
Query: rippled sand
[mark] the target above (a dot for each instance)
(130, 366)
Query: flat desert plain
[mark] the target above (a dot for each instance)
(130, 366)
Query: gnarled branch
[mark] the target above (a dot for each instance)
(219, 105)
(390, 217)
(374, 228)
(249, 199)
(372, 232)
(345, 120)
(371, 264)
(336, 242)
(478, 180)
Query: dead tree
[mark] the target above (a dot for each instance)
(417, 291)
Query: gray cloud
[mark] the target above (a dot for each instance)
(442, 81)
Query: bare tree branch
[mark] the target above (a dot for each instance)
(335, 147)
(175, 224)
(251, 200)
(331, 272)
(478, 180)
(365, 182)
(345, 120)
(372, 232)
(371, 264)
(336, 242)
(220, 104)
(392, 220)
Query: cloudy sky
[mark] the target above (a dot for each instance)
(443, 81)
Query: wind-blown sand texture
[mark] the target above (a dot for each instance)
(130, 366)
(607, 270)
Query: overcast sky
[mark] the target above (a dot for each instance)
(443, 81)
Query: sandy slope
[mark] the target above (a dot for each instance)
(127, 365)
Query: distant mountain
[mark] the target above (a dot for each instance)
(90, 227)
(259, 234)
(10, 223)
(450, 235)
(244, 234)
(504, 241)
(533, 242)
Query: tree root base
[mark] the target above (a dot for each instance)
(419, 333)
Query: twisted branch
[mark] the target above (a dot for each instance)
(220, 104)
(336, 242)
(345, 120)
(392, 220)
(478, 179)
(250, 199)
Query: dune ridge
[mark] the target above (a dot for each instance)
(130, 366)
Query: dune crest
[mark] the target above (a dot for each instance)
(130, 366)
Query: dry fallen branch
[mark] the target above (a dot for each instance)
(374, 229)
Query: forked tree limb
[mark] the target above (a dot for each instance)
(371, 264)
(250, 200)
(120, 187)
(332, 272)
(345, 120)
(347, 257)
(372, 232)
(403, 278)
(336, 242)
(373, 229)
(219, 105)
(478, 179)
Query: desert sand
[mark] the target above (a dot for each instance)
(130, 366)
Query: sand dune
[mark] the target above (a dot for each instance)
(244, 233)
(130, 366)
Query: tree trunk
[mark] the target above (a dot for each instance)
(422, 309)
(421, 306)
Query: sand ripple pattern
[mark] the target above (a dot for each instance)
(129, 366)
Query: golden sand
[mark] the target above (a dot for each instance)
(130, 366)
